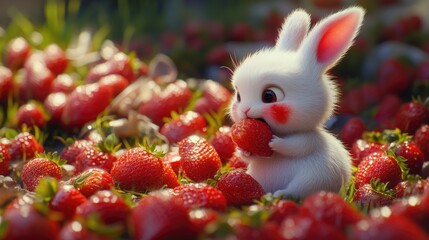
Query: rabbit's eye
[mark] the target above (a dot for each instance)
(272, 94)
(238, 97)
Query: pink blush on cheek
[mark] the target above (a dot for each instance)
(279, 113)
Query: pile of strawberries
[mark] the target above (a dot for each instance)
(66, 174)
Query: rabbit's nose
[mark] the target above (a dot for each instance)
(246, 111)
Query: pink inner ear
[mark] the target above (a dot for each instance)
(336, 38)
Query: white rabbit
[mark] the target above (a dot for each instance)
(287, 86)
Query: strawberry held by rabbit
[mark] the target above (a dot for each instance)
(287, 86)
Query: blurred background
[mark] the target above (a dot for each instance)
(202, 36)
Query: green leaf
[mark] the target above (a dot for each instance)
(151, 148)
(219, 229)
(53, 156)
(20, 23)
(9, 133)
(110, 144)
(222, 171)
(100, 36)
(94, 224)
(214, 122)
(268, 200)
(182, 178)
(46, 189)
(351, 190)
(80, 180)
(402, 163)
(381, 187)
(3, 227)
(194, 98)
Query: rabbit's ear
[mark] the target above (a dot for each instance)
(294, 29)
(332, 37)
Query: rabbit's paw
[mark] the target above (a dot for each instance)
(281, 193)
(244, 153)
(276, 144)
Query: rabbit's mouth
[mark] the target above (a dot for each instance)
(262, 120)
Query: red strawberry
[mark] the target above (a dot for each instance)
(412, 154)
(241, 31)
(24, 146)
(252, 136)
(361, 148)
(161, 216)
(387, 109)
(170, 177)
(352, 131)
(193, 30)
(109, 207)
(118, 64)
(415, 208)
(138, 170)
(268, 231)
(282, 209)
(84, 104)
(77, 230)
(391, 227)
(239, 188)
(378, 165)
(410, 116)
(223, 144)
(63, 83)
(373, 93)
(327, 4)
(352, 102)
(422, 71)
(93, 157)
(403, 27)
(21, 201)
(393, 77)
(26, 222)
(201, 195)
(332, 209)
(114, 81)
(174, 97)
(214, 98)
(374, 194)
(66, 200)
(6, 83)
(421, 138)
(304, 226)
(92, 180)
(38, 168)
(17, 52)
(38, 80)
(218, 55)
(70, 152)
(30, 114)
(172, 159)
(199, 159)
(55, 59)
(184, 125)
(236, 162)
(410, 188)
(4, 160)
(202, 217)
(54, 105)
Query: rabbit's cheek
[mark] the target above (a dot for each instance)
(234, 113)
(278, 112)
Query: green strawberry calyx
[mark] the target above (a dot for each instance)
(52, 156)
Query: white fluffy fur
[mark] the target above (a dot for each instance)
(306, 157)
